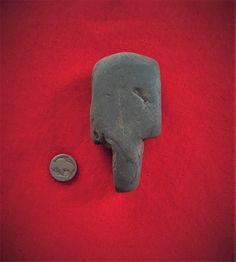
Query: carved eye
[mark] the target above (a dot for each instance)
(138, 91)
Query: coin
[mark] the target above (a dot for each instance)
(63, 167)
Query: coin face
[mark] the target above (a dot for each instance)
(63, 167)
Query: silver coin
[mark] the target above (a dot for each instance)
(63, 167)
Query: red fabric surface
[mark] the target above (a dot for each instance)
(183, 208)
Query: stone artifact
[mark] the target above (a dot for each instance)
(63, 167)
(125, 109)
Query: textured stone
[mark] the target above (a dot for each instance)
(125, 109)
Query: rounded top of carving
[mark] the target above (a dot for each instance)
(124, 58)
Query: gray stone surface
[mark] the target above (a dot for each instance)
(125, 109)
(63, 167)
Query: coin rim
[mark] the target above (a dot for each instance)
(61, 155)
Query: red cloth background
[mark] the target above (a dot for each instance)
(183, 209)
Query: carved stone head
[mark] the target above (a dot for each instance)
(125, 109)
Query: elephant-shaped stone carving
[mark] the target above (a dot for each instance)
(125, 109)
